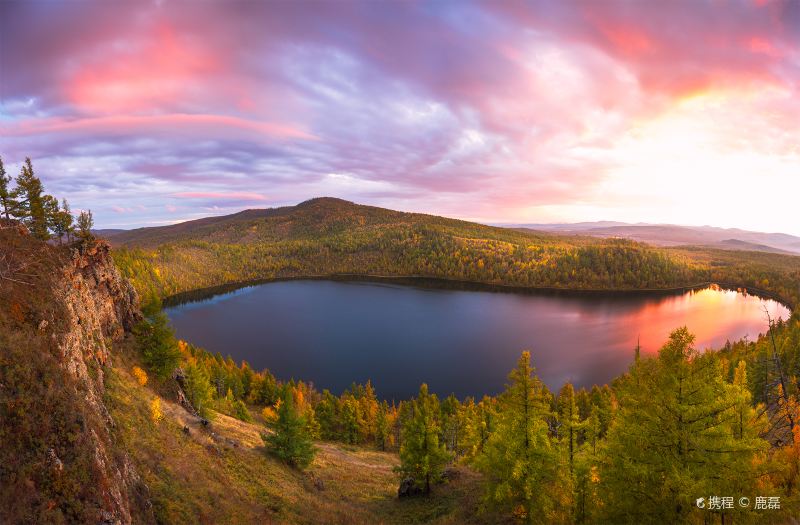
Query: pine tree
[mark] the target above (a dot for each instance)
(352, 420)
(158, 345)
(521, 466)
(85, 225)
(61, 221)
(31, 207)
(422, 456)
(368, 402)
(383, 427)
(241, 412)
(8, 204)
(289, 439)
(327, 416)
(452, 424)
(675, 438)
(198, 388)
(569, 421)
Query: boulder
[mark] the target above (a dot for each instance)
(408, 488)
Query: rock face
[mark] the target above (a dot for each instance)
(97, 308)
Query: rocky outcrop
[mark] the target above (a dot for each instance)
(97, 308)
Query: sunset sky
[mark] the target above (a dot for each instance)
(156, 112)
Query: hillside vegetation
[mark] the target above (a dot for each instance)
(325, 237)
(221, 473)
(163, 431)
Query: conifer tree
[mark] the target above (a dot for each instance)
(85, 224)
(452, 424)
(158, 345)
(327, 416)
(383, 427)
(368, 402)
(8, 203)
(61, 221)
(198, 388)
(31, 205)
(520, 464)
(675, 438)
(289, 439)
(241, 412)
(352, 419)
(568, 418)
(422, 456)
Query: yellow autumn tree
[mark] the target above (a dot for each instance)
(140, 375)
(156, 414)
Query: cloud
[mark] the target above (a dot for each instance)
(245, 197)
(501, 111)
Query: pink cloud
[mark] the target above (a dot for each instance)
(220, 195)
(487, 107)
(187, 125)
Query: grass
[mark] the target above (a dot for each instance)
(222, 474)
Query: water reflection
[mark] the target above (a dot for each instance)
(334, 333)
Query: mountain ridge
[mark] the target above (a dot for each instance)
(317, 207)
(677, 235)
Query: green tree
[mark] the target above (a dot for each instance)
(158, 345)
(569, 422)
(383, 427)
(351, 419)
(422, 456)
(521, 466)
(676, 438)
(241, 412)
(327, 416)
(85, 224)
(289, 439)
(265, 389)
(32, 203)
(7, 201)
(452, 425)
(60, 219)
(198, 388)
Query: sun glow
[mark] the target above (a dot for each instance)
(702, 160)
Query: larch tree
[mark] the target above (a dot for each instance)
(676, 438)
(422, 455)
(31, 202)
(7, 201)
(85, 224)
(158, 344)
(519, 462)
(289, 440)
(383, 427)
(569, 420)
(61, 221)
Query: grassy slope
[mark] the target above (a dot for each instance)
(195, 478)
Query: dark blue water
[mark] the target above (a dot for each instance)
(334, 333)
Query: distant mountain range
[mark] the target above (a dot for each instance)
(673, 235)
(227, 228)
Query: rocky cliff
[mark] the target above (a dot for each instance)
(63, 310)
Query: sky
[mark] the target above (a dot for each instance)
(149, 113)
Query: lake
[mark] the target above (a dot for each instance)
(333, 333)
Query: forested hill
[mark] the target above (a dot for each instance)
(311, 219)
(326, 236)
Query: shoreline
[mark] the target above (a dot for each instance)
(443, 283)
